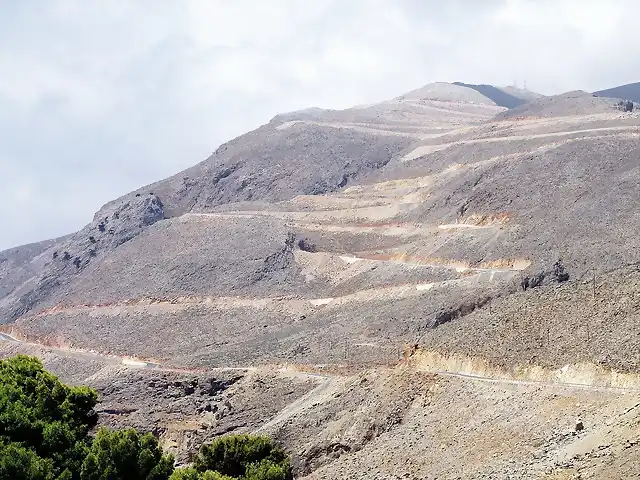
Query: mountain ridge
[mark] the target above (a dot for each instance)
(630, 91)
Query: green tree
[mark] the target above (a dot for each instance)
(125, 455)
(193, 474)
(43, 423)
(44, 427)
(239, 456)
(267, 470)
(20, 463)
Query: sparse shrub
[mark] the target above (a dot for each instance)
(532, 281)
(291, 240)
(306, 246)
(559, 272)
(625, 105)
(536, 280)
(92, 252)
(66, 256)
(92, 239)
(55, 255)
(77, 262)
(101, 227)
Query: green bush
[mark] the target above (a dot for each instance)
(20, 463)
(244, 456)
(125, 455)
(193, 474)
(267, 470)
(43, 423)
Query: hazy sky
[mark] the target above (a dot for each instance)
(100, 97)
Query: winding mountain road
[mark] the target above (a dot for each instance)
(89, 356)
(326, 380)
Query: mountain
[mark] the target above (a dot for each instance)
(498, 95)
(420, 209)
(269, 164)
(572, 103)
(629, 91)
(432, 253)
(523, 93)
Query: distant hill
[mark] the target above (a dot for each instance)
(630, 91)
(497, 95)
(522, 93)
(566, 104)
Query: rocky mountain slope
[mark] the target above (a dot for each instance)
(536, 195)
(630, 91)
(383, 423)
(500, 96)
(438, 219)
(269, 164)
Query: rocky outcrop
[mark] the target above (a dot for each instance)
(111, 227)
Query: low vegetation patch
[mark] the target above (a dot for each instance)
(45, 429)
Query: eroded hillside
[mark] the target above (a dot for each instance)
(332, 240)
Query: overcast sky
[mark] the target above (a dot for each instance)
(100, 97)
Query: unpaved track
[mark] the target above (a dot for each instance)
(429, 148)
(384, 130)
(308, 222)
(402, 290)
(532, 136)
(328, 382)
(505, 381)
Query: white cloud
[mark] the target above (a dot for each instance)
(99, 97)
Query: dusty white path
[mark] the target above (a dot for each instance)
(426, 149)
(328, 382)
(7, 338)
(566, 385)
(360, 128)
